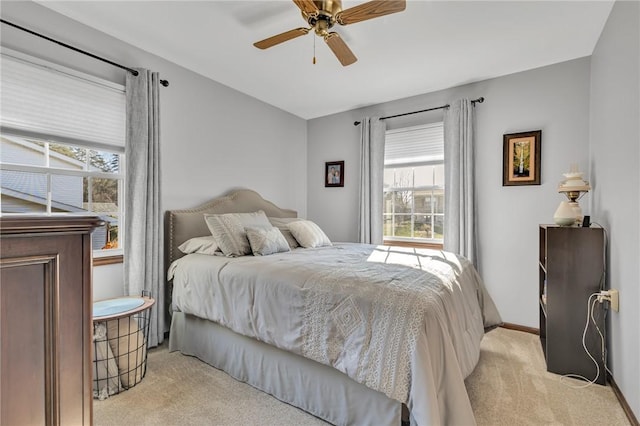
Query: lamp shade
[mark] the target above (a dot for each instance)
(573, 182)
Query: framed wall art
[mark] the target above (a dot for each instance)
(334, 174)
(521, 158)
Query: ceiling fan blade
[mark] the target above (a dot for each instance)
(280, 38)
(340, 49)
(369, 10)
(307, 6)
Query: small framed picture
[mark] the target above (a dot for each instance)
(521, 158)
(334, 173)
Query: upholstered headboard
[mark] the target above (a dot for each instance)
(180, 225)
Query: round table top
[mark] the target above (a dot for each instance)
(120, 307)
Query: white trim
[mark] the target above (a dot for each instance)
(65, 140)
(108, 252)
(44, 150)
(58, 171)
(413, 240)
(413, 188)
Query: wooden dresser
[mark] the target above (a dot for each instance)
(45, 320)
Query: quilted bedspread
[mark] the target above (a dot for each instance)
(405, 322)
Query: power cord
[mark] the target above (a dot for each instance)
(601, 296)
(602, 289)
(604, 255)
(590, 306)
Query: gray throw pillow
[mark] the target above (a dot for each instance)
(282, 224)
(265, 241)
(228, 230)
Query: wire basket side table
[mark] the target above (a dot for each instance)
(120, 330)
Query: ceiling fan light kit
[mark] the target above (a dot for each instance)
(323, 15)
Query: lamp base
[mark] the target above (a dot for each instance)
(577, 210)
(565, 214)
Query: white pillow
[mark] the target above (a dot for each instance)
(228, 230)
(308, 234)
(265, 241)
(282, 224)
(202, 245)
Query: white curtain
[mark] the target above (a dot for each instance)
(371, 180)
(143, 239)
(459, 199)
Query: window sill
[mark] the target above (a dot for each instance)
(108, 260)
(414, 244)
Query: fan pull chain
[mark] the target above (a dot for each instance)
(314, 50)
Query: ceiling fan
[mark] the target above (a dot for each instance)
(323, 15)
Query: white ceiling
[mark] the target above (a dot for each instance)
(432, 45)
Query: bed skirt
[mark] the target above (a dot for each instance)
(313, 387)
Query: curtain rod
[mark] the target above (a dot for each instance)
(165, 83)
(479, 101)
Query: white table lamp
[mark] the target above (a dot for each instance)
(574, 187)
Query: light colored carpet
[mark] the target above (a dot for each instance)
(510, 386)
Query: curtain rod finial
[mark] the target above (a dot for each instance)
(165, 83)
(355, 123)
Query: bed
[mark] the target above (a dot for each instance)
(351, 333)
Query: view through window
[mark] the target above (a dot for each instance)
(414, 184)
(41, 177)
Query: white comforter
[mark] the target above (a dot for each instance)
(402, 321)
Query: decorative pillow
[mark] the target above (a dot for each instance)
(282, 224)
(265, 241)
(228, 230)
(202, 245)
(308, 234)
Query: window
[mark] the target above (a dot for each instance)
(414, 184)
(62, 145)
(47, 177)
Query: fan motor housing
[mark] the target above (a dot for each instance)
(329, 6)
(327, 10)
(325, 18)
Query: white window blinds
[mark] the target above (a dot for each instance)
(414, 145)
(47, 100)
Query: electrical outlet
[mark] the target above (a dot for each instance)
(615, 300)
(612, 296)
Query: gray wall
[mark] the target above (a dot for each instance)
(615, 159)
(554, 99)
(213, 137)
